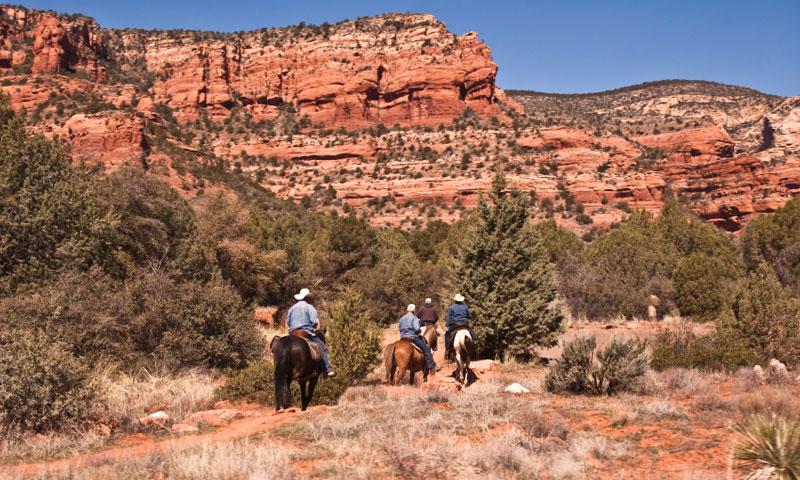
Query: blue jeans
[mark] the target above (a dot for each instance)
(326, 359)
(426, 349)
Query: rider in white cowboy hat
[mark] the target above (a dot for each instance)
(303, 316)
(457, 317)
(410, 329)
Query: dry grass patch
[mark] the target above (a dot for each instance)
(660, 410)
(15, 447)
(241, 460)
(768, 401)
(685, 381)
(130, 397)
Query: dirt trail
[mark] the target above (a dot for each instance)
(255, 420)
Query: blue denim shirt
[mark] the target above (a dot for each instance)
(302, 316)
(457, 314)
(409, 325)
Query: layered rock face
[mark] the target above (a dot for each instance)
(392, 69)
(304, 110)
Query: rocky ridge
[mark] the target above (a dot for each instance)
(393, 117)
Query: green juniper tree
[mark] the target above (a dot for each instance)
(504, 274)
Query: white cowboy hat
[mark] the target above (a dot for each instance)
(428, 300)
(458, 297)
(411, 307)
(303, 293)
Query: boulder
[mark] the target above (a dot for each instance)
(516, 388)
(158, 419)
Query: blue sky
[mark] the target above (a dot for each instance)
(555, 46)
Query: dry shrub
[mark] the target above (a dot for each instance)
(541, 426)
(768, 401)
(683, 380)
(363, 394)
(33, 447)
(713, 402)
(566, 466)
(600, 447)
(234, 460)
(436, 396)
(661, 410)
(501, 457)
(746, 379)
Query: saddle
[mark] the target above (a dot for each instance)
(316, 351)
(460, 327)
(412, 344)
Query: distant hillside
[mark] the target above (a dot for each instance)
(651, 108)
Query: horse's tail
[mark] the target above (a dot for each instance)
(283, 372)
(388, 361)
(469, 346)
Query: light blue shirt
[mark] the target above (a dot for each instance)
(302, 316)
(409, 325)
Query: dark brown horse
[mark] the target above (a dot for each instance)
(402, 356)
(292, 358)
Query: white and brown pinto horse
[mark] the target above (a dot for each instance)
(465, 350)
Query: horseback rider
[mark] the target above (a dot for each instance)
(410, 330)
(457, 318)
(428, 314)
(303, 318)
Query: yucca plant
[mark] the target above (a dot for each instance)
(768, 447)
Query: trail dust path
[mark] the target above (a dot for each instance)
(256, 420)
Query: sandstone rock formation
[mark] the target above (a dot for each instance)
(310, 112)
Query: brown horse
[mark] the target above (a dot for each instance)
(401, 356)
(293, 361)
(431, 336)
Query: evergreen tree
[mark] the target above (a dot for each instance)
(508, 283)
(767, 135)
(766, 317)
(50, 215)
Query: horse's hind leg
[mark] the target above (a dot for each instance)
(401, 374)
(412, 375)
(303, 394)
(312, 384)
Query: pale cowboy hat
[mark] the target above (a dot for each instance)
(303, 294)
(428, 300)
(411, 307)
(458, 297)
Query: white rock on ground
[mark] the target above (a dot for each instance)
(516, 388)
(159, 419)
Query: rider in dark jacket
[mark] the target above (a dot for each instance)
(428, 313)
(457, 317)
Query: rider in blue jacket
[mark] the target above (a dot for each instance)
(410, 330)
(457, 317)
(303, 316)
